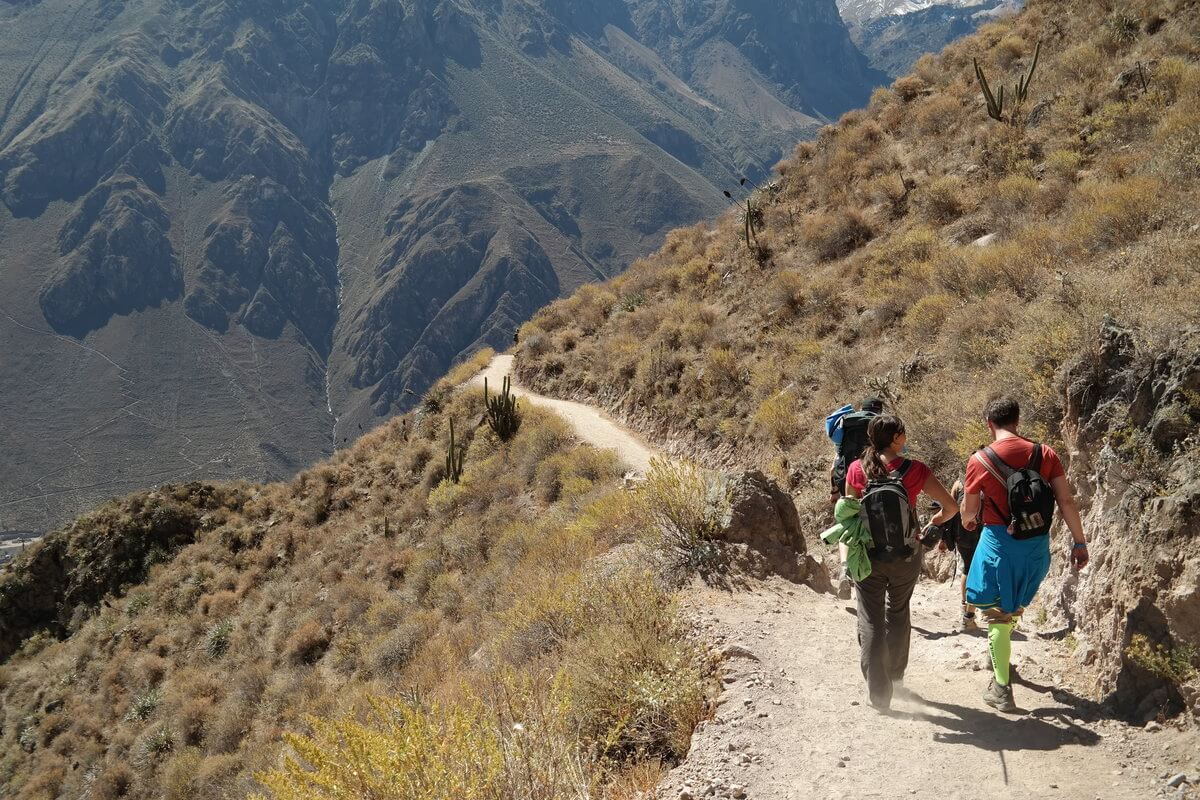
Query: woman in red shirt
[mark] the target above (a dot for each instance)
(884, 626)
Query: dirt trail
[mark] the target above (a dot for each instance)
(792, 722)
(592, 425)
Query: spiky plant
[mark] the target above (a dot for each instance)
(455, 455)
(1020, 91)
(502, 414)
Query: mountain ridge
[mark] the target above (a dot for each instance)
(227, 200)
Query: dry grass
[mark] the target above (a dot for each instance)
(366, 576)
(879, 291)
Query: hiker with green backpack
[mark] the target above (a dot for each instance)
(847, 429)
(1017, 484)
(885, 485)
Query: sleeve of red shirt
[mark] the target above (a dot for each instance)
(923, 473)
(976, 475)
(1052, 466)
(856, 478)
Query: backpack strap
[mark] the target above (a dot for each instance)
(1035, 459)
(985, 461)
(987, 464)
(903, 469)
(999, 463)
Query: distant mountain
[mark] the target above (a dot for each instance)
(857, 12)
(233, 233)
(893, 34)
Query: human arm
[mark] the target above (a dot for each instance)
(1065, 498)
(971, 504)
(934, 488)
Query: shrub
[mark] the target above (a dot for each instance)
(1177, 665)
(684, 510)
(1012, 195)
(634, 683)
(787, 291)
(1064, 164)
(779, 416)
(835, 234)
(936, 115)
(1008, 50)
(926, 317)
(216, 641)
(1121, 28)
(1177, 141)
(1108, 214)
(307, 643)
(908, 88)
(144, 705)
(112, 783)
(943, 200)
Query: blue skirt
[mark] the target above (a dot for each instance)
(1006, 573)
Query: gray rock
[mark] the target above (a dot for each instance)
(1177, 780)
(763, 517)
(736, 650)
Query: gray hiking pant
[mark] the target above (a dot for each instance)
(883, 624)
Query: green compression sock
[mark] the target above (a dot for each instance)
(1000, 642)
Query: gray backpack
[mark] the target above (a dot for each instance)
(888, 516)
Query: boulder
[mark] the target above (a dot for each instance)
(764, 525)
(1129, 410)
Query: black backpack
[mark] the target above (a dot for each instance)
(850, 449)
(1030, 497)
(885, 510)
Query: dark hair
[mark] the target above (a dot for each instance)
(882, 431)
(1003, 411)
(872, 404)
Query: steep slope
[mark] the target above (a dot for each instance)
(925, 252)
(199, 622)
(234, 233)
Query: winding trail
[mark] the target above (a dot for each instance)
(591, 425)
(792, 722)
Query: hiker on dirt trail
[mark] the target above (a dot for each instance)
(847, 429)
(888, 485)
(1017, 484)
(954, 536)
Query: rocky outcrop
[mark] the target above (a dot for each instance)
(112, 107)
(116, 259)
(1131, 420)
(763, 527)
(270, 258)
(63, 578)
(458, 269)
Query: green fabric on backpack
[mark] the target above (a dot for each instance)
(851, 532)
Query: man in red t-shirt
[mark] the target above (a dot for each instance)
(1006, 571)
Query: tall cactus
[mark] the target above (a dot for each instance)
(995, 107)
(1020, 91)
(502, 414)
(454, 458)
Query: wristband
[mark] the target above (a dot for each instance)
(1078, 545)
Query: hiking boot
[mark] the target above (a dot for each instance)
(1000, 697)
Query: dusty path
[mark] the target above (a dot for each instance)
(792, 723)
(592, 425)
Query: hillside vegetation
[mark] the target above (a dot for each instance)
(469, 631)
(864, 273)
(924, 251)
